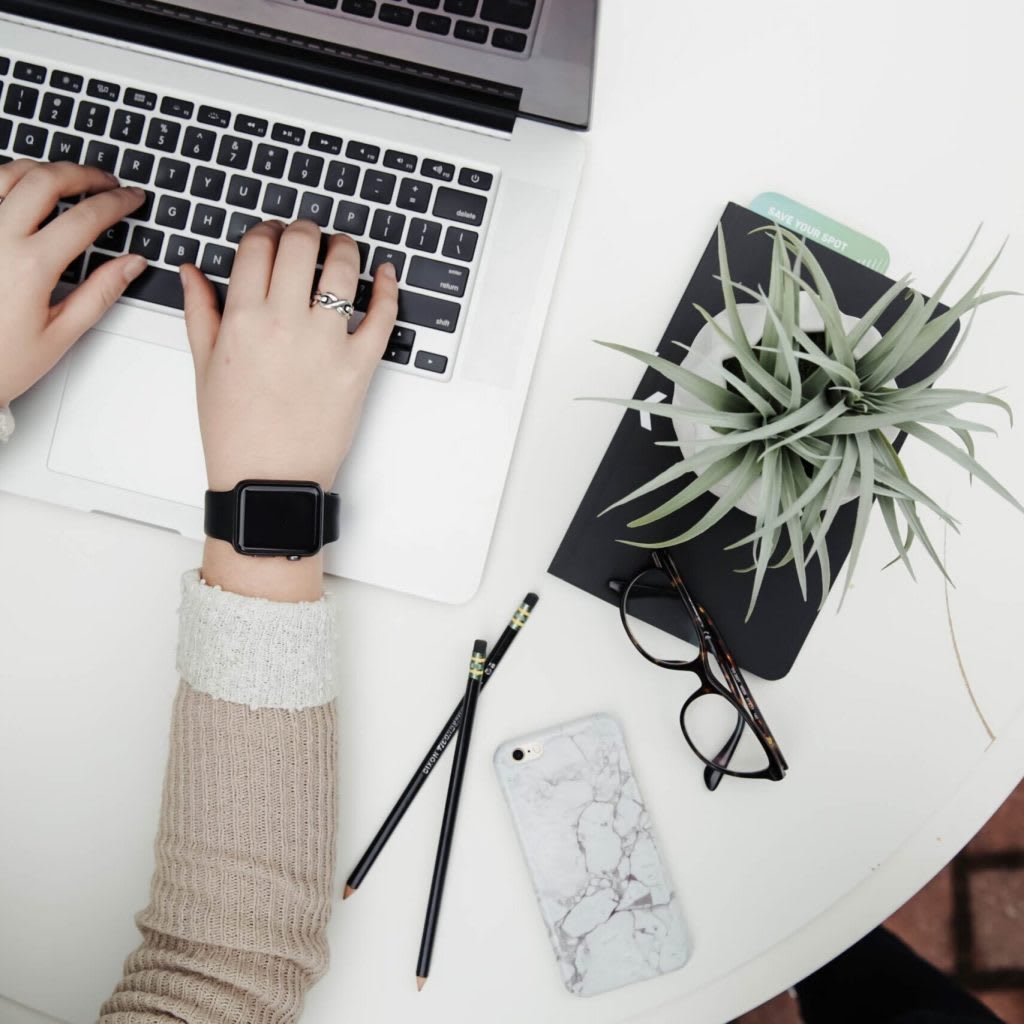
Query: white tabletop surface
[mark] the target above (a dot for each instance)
(895, 118)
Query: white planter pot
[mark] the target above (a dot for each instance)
(706, 356)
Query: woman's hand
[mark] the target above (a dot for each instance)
(34, 334)
(280, 385)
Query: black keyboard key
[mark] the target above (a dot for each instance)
(394, 354)
(325, 143)
(414, 195)
(393, 256)
(471, 31)
(503, 39)
(288, 133)
(316, 208)
(251, 125)
(5, 65)
(326, 4)
(163, 135)
(208, 221)
(64, 147)
(362, 151)
(30, 140)
(234, 152)
(199, 143)
(154, 284)
(6, 128)
(461, 206)
(342, 178)
(21, 101)
(438, 24)
(101, 90)
(145, 211)
(392, 14)
(73, 272)
(137, 166)
(460, 244)
(270, 161)
(30, 72)
(351, 217)
(177, 108)
(140, 98)
(363, 8)
(208, 183)
(435, 276)
(66, 81)
(378, 186)
(215, 117)
(387, 226)
(102, 155)
(279, 201)
(172, 212)
(172, 175)
(364, 255)
(402, 337)
(114, 239)
(516, 13)
(239, 225)
(92, 118)
(306, 170)
(431, 361)
(181, 250)
(244, 192)
(476, 179)
(438, 169)
(400, 161)
(423, 235)
(465, 8)
(147, 242)
(127, 126)
(364, 290)
(56, 110)
(218, 260)
(432, 4)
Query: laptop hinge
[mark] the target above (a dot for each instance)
(284, 55)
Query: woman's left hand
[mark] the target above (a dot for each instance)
(34, 334)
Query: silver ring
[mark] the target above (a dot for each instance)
(328, 300)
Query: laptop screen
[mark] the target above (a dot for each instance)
(481, 61)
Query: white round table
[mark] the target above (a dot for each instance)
(893, 119)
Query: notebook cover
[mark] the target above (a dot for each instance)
(589, 554)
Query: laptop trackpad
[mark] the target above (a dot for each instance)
(128, 419)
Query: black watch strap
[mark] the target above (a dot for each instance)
(221, 508)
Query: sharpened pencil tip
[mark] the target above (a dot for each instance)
(420, 982)
(348, 892)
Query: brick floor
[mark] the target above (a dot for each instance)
(968, 921)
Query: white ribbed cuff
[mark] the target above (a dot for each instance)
(6, 423)
(249, 650)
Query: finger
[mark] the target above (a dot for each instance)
(254, 265)
(202, 315)
(75, 229)
(36, 192)
(375, 330)
(295, 266)
(12, 173)
(340, 275)
(83, 308)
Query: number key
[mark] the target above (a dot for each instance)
(163, 135)
(21, 101)
(199, 143)
(306, 169)
(92, 118)
(127, 126)
(57, 109)
(234, 152)
(270, 161)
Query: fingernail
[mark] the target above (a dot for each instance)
(387, 267)
(112, 178)
(133, 266)
(134, 190)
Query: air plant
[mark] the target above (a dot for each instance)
(810, 415)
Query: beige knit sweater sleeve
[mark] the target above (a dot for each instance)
(235, 929)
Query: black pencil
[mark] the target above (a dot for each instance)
(519, 619)
(451, 810)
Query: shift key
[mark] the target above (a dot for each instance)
(426, 311)
(461, 206)
(436, 276)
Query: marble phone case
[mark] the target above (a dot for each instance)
(602, 888)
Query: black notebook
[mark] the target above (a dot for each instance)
(590, 555)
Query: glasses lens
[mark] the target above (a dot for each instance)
(710, 722)
(654, 615)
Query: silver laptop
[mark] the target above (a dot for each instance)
(444, 135)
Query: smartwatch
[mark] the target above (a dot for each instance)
(286, 518)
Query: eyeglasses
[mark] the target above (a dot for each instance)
(720, 721)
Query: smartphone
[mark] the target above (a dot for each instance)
(585, 831)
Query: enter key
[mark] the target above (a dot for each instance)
(435, 276)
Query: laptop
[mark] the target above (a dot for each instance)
(445, 136)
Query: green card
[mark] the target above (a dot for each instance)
(821, 229)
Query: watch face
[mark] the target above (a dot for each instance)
(279, 519)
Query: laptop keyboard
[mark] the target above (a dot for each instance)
(501, 26)
(211, 173)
